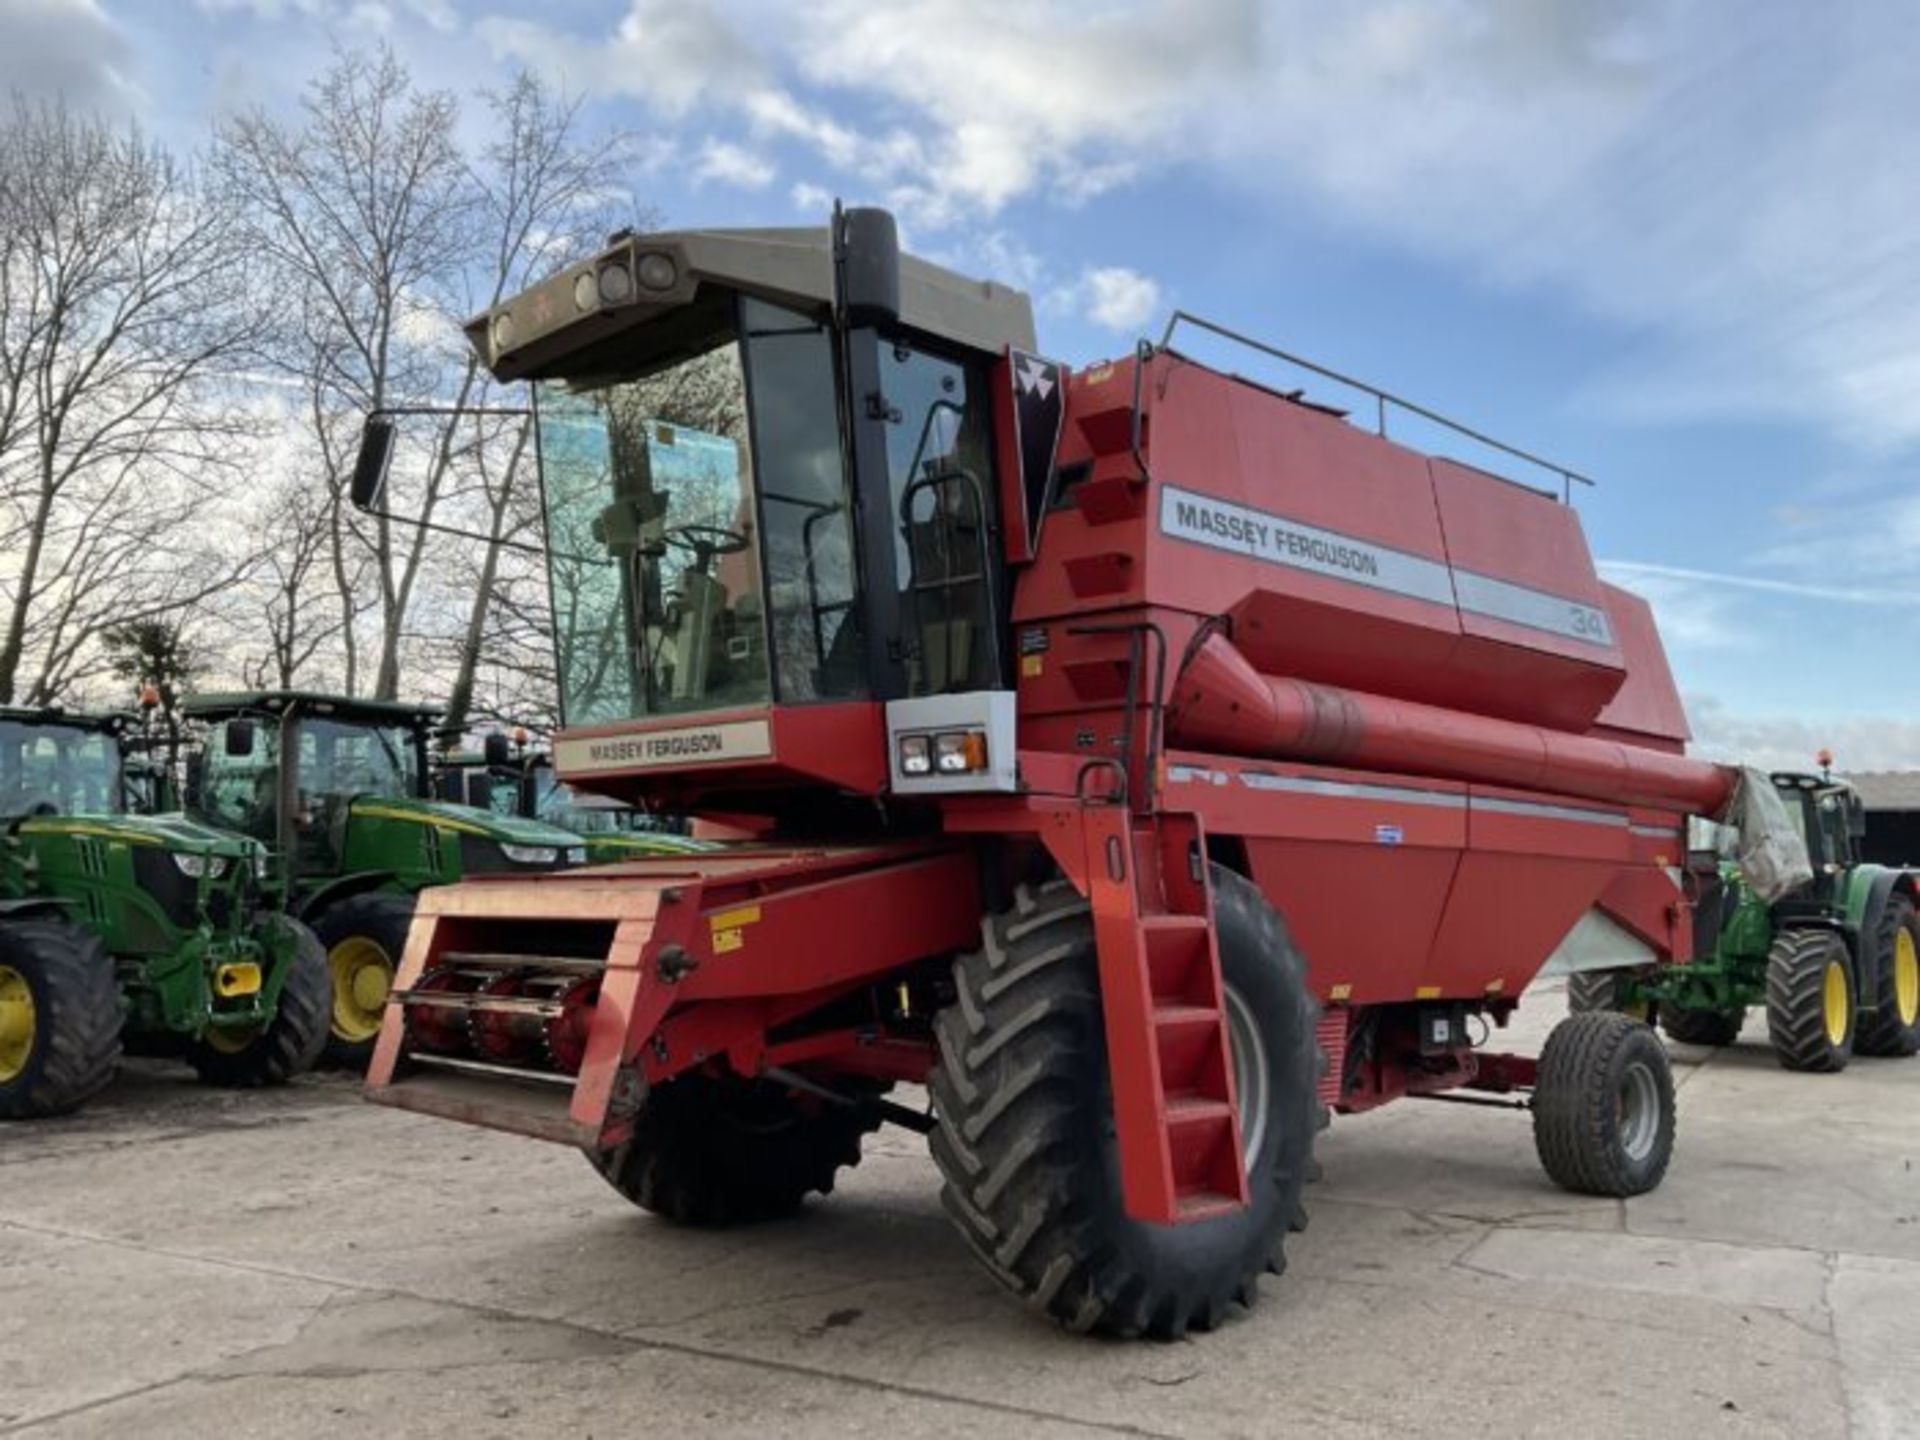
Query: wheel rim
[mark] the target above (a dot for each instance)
(1639, 1111)
(17, 1023)
(231, 1039)
(1252, 1079)
(1906, 977)
(362, 973)
(1835, 1003)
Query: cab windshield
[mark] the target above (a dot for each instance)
(698, 533)
(337, 760)
(65, 769)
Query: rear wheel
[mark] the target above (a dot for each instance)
(1026, 1140)
(1892, 1027)
(59, 1017)
(288, 1044)
(1716, 1028)
(1603, 1112)
(1590, 990)
(1810, 1000)
(727, 1151)
(365, 936)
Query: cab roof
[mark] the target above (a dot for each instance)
(530, 335)
(222, 704)
(71, 719)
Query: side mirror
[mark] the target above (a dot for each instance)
(869, 267)
(371, 464)
(498, 750)
(238, 739)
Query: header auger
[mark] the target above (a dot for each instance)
(1148, 762)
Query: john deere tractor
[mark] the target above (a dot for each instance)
(340, 789)
(1836, 962)
(155, 928)
(508, 779)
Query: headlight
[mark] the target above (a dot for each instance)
(263, 866)
(657, 271)
(957, 752)
(211, 867)
(530, 854)
(916, 755)
(577, 855)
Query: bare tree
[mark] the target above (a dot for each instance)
(119, 309)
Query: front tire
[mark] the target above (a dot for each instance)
(1810, 1000)
(364, 935)
(60, 1018)
(1025, 1139)
(1716, 1029)
(1892, 1027)
(1603, 1112)
(288, 1044)
(713, 1151)
(1602, 990)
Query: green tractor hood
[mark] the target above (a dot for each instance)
(466, 819)
(175, 834)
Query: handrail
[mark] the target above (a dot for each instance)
(1382, 399)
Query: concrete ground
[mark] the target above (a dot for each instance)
(183, 1262)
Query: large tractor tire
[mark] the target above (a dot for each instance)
(1892, 1027)
(1025, 1139)
(365, 936)
(1601, 990)
(59, 1017)
(725, 1151)
(1810, 1000)
(1714, 1028)
(1603, 1111)
(287, 1045)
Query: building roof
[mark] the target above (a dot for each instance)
(1887, 789)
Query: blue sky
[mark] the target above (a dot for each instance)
(1679, 255)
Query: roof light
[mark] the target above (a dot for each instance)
(657, 271)
(586, 291)
(502, 332)
(616, 284)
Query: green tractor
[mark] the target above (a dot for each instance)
(509, 780)
(1836, 962)
(340, 789)
(152, 928)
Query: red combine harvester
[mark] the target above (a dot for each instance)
(1145, 761)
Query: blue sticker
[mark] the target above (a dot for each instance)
(1388, 834)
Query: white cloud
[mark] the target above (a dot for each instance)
(730, 164)
(1781, 742)
(65, 49)
(1118, 298)
(814, 200)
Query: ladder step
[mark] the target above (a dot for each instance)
(1204, 1205)
(1196, 1110)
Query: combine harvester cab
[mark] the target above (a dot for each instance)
(340, 789)
(155, 928)
(1146, 761)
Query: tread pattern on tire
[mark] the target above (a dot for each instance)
(1019, 1048)
(380, 915)
(1575, 1105)
(77, 1014)
(294, 1037)
(1593, 990)
(1796, 1000)
(1878, 1031)
(685, 1164)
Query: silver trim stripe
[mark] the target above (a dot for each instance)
(1276, 540)
(1403, 794)
(1348, 790)
(1540, 810)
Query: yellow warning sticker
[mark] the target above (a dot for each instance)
(729, 927)
(1340, 992)
(1427, 992)
(1032, 665)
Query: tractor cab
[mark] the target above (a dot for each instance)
(771, 481)
(340, 787)
(1829, 815)
(507, 780)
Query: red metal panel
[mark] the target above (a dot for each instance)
(1647, 708)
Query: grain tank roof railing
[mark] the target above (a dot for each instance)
(1384, 400)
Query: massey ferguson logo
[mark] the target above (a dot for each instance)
(729, 740)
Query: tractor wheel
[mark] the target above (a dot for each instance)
(287, 1045)
(1025, 1139)
(727, 1151)
(1590, 990)
(1810, 1009)
(1714, 1028)
(365, 936)
(1893, 1026)
(1603, 1114)
(59, 1018)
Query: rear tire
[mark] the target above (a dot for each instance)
(1714, 1028)
(290, 1043)
(1026, 1141)
(1892, 1027)
(1810, 1000)
(60, 1017)
(1603, 1111)
(726, 1151)
(364, 936)
(1600, 990)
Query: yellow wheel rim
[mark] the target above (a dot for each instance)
(17, 1024)
(362, 979)
(1906, 977)
(1836, 1003)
